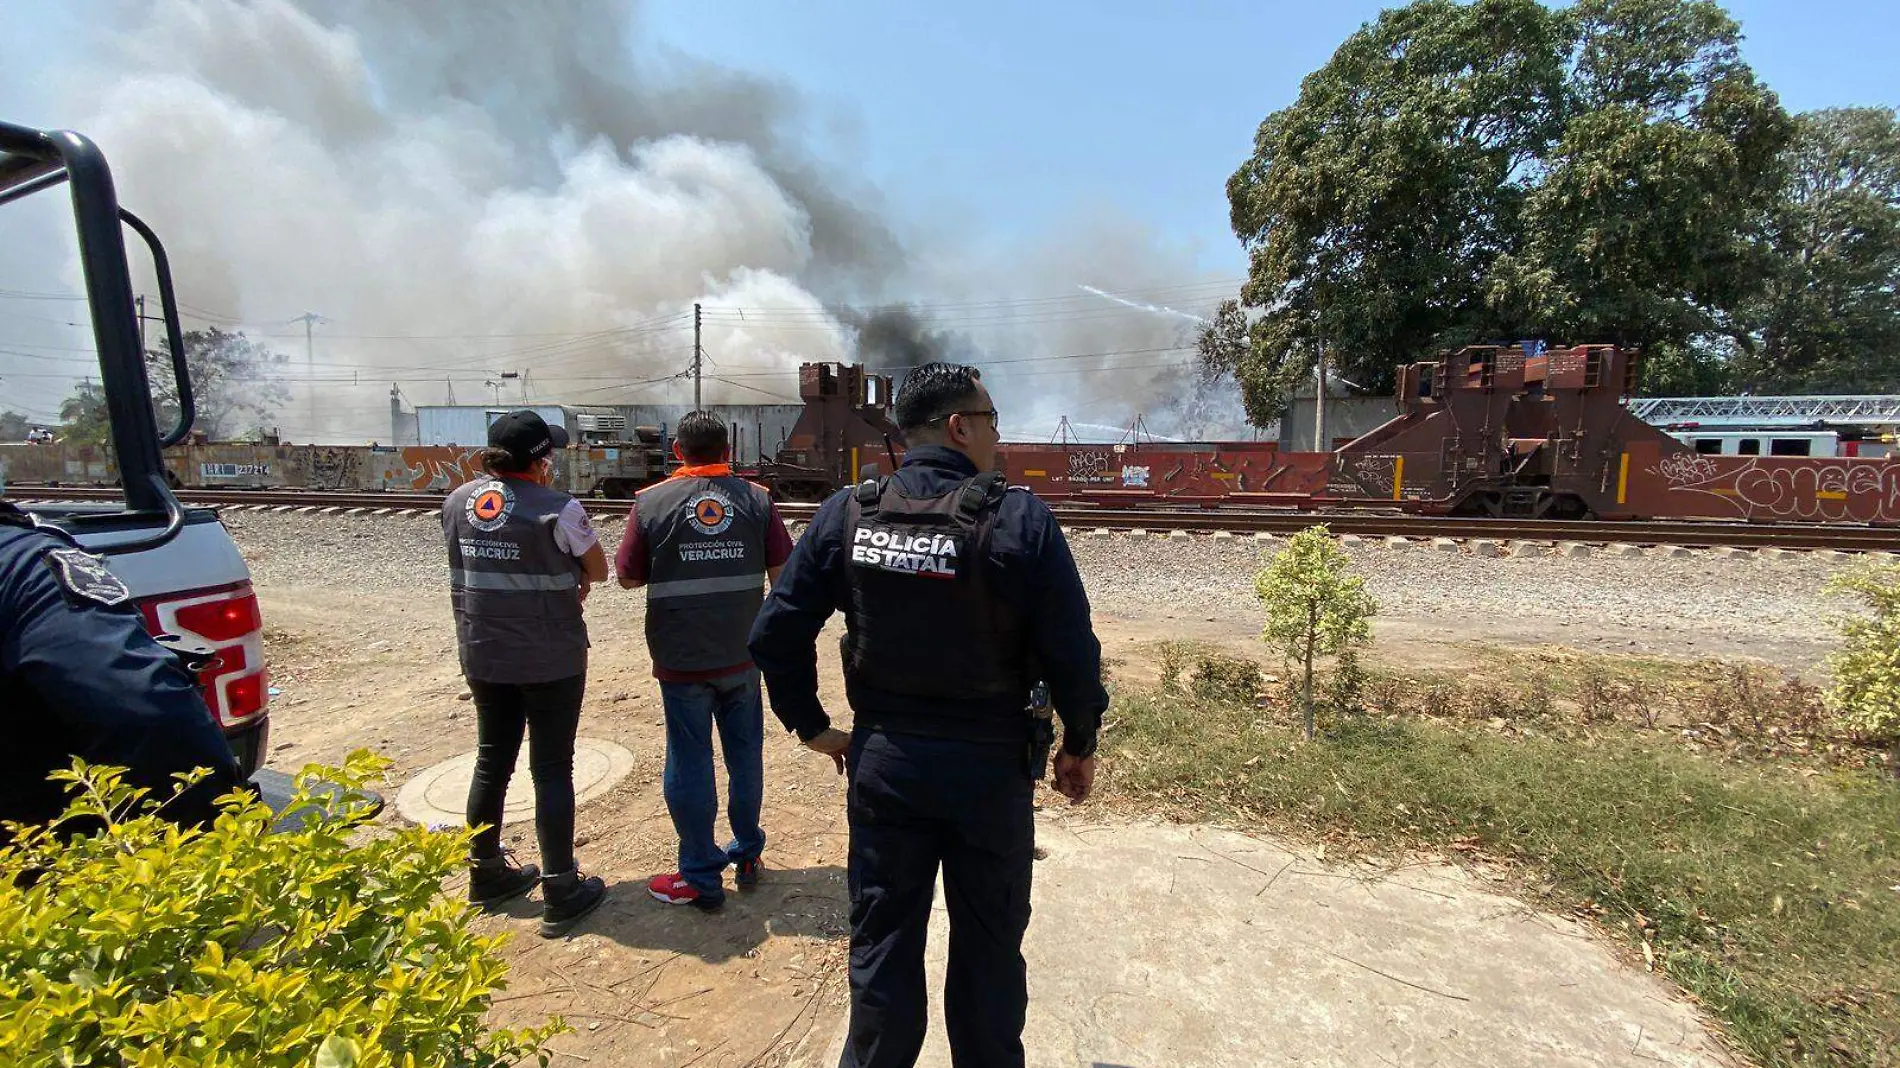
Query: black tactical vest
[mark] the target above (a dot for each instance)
(706, 569)
(516, 593)
(924, 622)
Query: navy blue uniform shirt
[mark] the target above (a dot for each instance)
(82, 677)
(1032, 567)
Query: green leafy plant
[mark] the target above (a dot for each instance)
(327, 944)
(1865, 695)
(1314, 606)
(1346, 686)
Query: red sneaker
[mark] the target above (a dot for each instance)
(673, 889)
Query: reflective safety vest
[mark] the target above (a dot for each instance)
(516, 593)
(705, 541)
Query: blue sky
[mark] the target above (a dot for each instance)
(1016, 113)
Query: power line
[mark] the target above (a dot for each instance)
(742, 385)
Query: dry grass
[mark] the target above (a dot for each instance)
(1703, 811)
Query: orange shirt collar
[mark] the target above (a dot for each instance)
(702, 471)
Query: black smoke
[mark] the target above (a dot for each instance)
(895, 340)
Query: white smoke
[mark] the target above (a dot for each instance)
(441, 237)
(1157, 309)
(466, 187)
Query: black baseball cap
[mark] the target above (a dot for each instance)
(526, 436)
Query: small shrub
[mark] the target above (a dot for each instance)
(325, 945)
(1800, 707)
(1486, 702)
(1226, 680)
(1865, 696)
(1537, 699)
(1174, 661)
(1593, 696)
(1386, 695)
(1346, 686)
(1441, 700)
(1314, 607)
(1641, 703)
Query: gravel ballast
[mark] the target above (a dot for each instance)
(1700, 602)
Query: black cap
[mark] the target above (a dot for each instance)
(526, 436)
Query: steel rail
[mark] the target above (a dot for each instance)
(1852, 538)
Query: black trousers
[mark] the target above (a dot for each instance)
(914, 803)
(550, 714)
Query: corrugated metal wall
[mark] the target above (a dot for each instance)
(750, 425)
(467, 424)
(1346, 418)
(757, 430)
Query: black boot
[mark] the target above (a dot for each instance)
(498, 879)
(566, 898)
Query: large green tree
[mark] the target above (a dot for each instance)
(1501, 170)
(233, 381)
(1828, 320)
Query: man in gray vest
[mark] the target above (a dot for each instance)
(522, 556)
(704, 543)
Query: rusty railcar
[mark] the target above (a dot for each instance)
(845, 433)
(592, 470)
(1515, 431)
(1178, 473)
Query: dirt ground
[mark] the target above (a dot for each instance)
(762, 982)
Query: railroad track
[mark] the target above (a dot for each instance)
(1805, 536)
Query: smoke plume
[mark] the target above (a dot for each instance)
(462, 188)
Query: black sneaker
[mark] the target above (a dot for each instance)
(498, 879)
(566, 898)
(746, 873)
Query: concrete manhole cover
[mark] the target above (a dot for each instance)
(439, 794)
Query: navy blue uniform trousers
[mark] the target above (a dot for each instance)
(914, 803)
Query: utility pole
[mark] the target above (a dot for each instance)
(140, 302)
(696, 351)
(1319, 405)
(309, 320)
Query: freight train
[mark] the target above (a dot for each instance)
(593, 470)
(1487, 430)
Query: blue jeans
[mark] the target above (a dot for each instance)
(734, 702)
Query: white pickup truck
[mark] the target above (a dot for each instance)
(180, 564)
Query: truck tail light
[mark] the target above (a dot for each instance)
(236, 684)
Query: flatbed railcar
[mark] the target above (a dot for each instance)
(593, 470)
(1487, 430)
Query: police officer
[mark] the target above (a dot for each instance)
(81, 677)
(958, 595)
(522, 556)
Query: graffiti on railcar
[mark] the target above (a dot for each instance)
(335, 467)
(1783, 488)
(439, 468)
(1089, 468)
(1368, 474)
